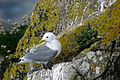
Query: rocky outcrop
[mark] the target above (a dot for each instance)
(68, 19)
(101, 64)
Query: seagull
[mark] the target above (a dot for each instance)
(45, 53)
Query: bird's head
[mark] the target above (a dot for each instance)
(49, 36)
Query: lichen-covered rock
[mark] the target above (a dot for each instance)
(58, 72)
(65, 17)
(100, 64)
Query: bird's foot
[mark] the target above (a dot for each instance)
(43, 66)
(47, 66)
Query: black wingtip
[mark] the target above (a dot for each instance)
(15, 60)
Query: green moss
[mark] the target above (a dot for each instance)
(76, 9)
(29, 39)
(70, 48)
(106, 24)
(87, 38)
(89, 11)
(86, 51)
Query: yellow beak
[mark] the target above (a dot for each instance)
(41, 41)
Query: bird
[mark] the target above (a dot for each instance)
(45, 53)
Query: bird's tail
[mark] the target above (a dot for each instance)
(19, 60)
(15, 59)
(23, 60)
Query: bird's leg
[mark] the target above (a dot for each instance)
(31, 69)
(46, 66)
(49, 66)
(43, 66)
(31, 66)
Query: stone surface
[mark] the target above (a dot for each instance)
(68, 18)
(95, 65)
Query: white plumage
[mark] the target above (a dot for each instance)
(46, 52)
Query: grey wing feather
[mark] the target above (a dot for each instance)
(42, 54)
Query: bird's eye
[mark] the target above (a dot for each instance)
(47, 37)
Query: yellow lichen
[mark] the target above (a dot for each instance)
(107, 24)
(86, 51)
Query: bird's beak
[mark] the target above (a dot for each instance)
(41, 41)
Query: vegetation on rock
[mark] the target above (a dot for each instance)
(88, 37)
(8, 44)
(9, 40)
(48, 16)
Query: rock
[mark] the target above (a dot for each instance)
(58, 72)
(66, 19)
(90, 67)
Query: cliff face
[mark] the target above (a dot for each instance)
(70, 19)
(102, 64)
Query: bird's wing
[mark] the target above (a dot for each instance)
(42, 54)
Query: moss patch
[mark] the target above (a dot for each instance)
(107, 25)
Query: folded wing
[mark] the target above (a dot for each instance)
(42, 54)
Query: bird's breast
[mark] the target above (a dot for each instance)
(54, 45)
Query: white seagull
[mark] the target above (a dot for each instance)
(46, 52)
